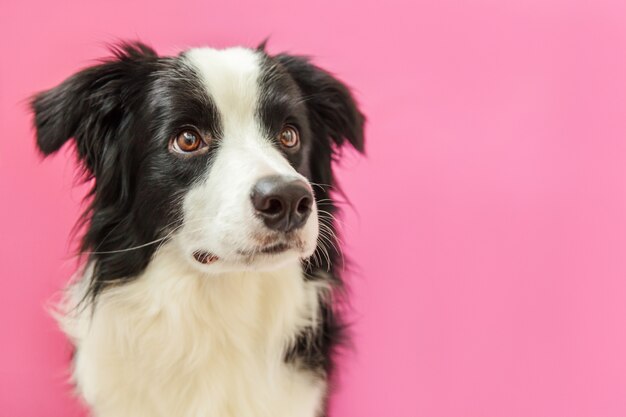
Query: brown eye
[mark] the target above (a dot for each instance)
(187, 141)
(289, 137)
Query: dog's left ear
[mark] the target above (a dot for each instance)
(331, 105)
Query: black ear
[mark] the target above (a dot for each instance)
(329, 101)
(262, 47)
(87, 105)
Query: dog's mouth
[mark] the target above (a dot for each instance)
(276, 248)
(264, 248)
(272, 249)
(205, 257)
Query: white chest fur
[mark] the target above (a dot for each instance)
(176, 343)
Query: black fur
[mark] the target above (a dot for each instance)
(122, 112)
(119, 114)
(326, 114)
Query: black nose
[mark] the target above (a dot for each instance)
(284, 203)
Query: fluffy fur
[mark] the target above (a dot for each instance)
(158, 332)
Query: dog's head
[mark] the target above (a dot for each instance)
(224, 153)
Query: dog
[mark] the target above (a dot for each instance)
(210, 250)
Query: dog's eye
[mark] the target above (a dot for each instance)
(289, 137)
(187, 141)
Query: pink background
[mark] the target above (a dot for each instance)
(489, 229)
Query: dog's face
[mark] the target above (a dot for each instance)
(252, 204)
(226, 153)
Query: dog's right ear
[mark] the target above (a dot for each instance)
(330, 102)
(87, 105)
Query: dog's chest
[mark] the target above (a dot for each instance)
(170, 344)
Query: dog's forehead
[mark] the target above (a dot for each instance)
(231, 78)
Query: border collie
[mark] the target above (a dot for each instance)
(210, 253)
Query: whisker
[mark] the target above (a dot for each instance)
(161, 239)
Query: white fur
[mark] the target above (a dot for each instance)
(191, 340)
(176, 342)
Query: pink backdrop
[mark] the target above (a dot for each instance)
(489, 232)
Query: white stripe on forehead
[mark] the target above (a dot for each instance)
(231, 78)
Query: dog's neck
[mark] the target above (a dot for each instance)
(226, 333)
(272, 301)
